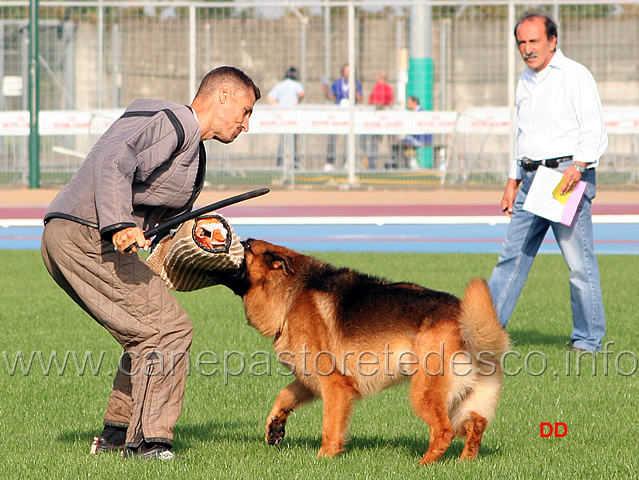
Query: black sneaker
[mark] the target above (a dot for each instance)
(158, 451)
(101, 445)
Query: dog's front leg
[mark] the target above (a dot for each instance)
(289, 398)
(338, 394)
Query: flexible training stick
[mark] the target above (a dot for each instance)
(173, 222)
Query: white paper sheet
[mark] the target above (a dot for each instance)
(541, 202)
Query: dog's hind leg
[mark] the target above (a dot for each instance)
(289, 398)
(476, 410)
(429, 403)
(474, 427)
(431, 384)
(338, 394)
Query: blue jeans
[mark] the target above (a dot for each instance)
(287, 143)
(370, 145)
(523, 239)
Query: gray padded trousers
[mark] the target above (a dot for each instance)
(124, 296)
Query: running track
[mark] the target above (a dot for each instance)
(371, 228)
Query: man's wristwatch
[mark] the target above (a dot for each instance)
(580, 168)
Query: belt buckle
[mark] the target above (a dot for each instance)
(526, 163)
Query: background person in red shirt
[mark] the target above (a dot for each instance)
(381, 96)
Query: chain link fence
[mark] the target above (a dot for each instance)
(460, 59)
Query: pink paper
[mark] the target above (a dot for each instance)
(570, 208)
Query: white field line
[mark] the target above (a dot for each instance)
(367, 220)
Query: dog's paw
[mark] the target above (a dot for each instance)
(275, 431)
(330, 450)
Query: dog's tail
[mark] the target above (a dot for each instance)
(481, 331)
(470, 409)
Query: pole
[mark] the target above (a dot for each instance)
(100, 66)
(421, 68)
(352, 92)
(510, 81)
(34, 98)
(193, 83)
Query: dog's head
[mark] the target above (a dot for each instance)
(261, 258)
(265, 282)
(263, 263)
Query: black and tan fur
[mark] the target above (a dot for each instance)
(310, 306)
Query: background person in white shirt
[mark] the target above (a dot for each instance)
(559, 124)
(287, 93)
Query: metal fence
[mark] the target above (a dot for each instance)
(459, 58)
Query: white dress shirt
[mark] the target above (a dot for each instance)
(559, 114)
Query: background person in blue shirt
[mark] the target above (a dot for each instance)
(339, 94)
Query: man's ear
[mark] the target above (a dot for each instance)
(279, 262)
(224, 93)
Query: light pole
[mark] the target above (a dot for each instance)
(34, 97)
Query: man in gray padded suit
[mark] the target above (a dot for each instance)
(147, 167)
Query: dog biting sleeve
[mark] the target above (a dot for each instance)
(198, 246)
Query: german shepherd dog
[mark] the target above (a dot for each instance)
(346, 335)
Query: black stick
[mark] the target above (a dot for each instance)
(172, 222)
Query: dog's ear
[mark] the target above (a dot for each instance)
(277, 261)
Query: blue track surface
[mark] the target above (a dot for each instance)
(431, 238)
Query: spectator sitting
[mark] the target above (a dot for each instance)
(409, 142)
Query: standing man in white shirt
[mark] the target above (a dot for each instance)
(559, 125)
(287, 93)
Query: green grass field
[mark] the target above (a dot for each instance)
(49, 412)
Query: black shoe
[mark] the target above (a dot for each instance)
(157, 451)
(101, 445)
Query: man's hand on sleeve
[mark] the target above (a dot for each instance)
(128, 240)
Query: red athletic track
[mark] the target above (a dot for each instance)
(348, 211)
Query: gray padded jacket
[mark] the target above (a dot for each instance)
(147, 167)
